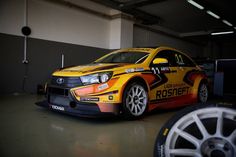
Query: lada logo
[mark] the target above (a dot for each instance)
(60, 80)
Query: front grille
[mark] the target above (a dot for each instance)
(68, 82)
(58, 91)
(59, 100)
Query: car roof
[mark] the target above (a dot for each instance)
(146, 49)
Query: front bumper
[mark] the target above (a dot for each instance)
(81, 109)
(61, 100)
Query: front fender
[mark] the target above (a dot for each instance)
(146, 79)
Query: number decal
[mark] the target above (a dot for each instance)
(179, 59)
(155, 70)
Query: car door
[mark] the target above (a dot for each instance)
(187, 70)
(169, 80)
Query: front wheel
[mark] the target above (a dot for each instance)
(135, 100)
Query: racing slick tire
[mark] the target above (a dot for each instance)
(135, 101)
(207, 130)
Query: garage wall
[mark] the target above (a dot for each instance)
(59, 23)
(227, 50)
(56, 29)
(212, 50)
(54, 22)
(44, 57)
(222, 50)
(145, 38)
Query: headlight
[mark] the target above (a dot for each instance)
(96, 78)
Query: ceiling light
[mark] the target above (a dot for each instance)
(227, 23)
(195, 4)
(213, 14)
(220, 33)
(234, 27)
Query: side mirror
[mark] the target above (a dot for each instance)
(160, 61)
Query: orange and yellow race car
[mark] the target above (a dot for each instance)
(128, 82)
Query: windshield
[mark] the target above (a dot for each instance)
(124, 57)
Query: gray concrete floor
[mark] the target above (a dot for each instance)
(27, 130)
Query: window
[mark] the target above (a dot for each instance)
(183, 60)
(188, 62)
(175, 58)
(125, 57)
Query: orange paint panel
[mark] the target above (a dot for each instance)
(149, 78)
(92, 89)
(84, 91)
(104, 107)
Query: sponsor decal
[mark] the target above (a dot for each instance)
(103, 86)
(160, 70)
(161, 150)
(57, 107)
(172, 90)
(139, 69)
(129, 70)
(165, 69)
(89, 99)
(134, 70)
(165, 132)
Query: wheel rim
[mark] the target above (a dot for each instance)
(136, 101)
(203, 93)
(220, 143)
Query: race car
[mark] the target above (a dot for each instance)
(127, 82)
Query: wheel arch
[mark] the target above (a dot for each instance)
(137, 79)
(197, 82)
(204, 80)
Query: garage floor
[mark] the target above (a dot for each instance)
(28, 130)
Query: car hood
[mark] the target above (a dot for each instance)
(89, 68)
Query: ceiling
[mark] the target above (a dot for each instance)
(181, 17)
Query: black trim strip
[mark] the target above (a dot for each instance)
(187, 76)
(107, 93)
(143, 72)
(159, 101)
(160, 80)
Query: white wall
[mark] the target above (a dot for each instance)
(55, 22)
(121, 33)
(127, 33)
(115, 34)
(11, 16)
(146, 38)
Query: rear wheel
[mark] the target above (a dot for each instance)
(202, 93)
(135, 101)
